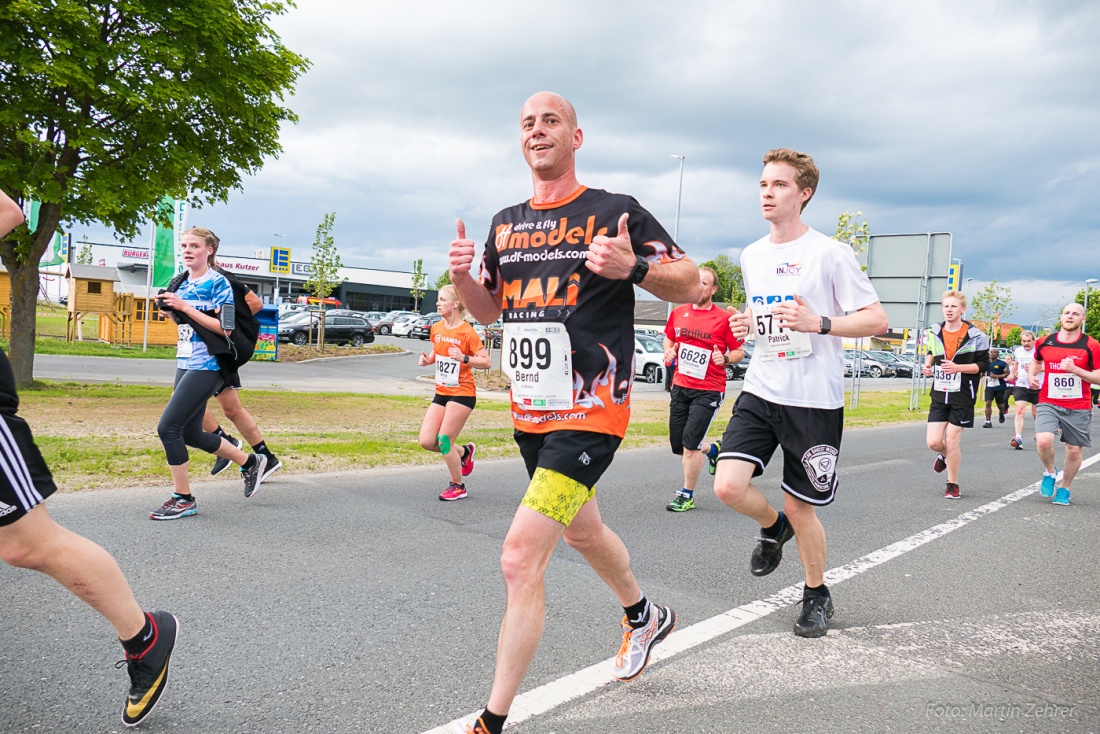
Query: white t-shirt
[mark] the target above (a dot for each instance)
(825, 274)
(1023, 359)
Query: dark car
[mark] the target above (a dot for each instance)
(737, 370)
(422, 328)
(338, 330)
(903, 367)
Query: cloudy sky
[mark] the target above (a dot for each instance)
(978, 118)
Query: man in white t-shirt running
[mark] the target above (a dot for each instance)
(1022, 393)
(803, 290)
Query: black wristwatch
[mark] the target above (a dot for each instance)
(826, 325)
(637, 275)
(465, 359)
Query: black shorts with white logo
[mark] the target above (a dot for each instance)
(957, 414)
(25, 480)
(583, 456)
(690, 414)
(1025, 395)
(810, 438)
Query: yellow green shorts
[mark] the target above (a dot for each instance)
(556, 495)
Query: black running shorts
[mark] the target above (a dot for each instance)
(690, 415)
(583, 456)
(468, 400)
(957, 414)
(1023, 395)
(232, 382)
(25, 480)
(1000, 394)
(810, 438)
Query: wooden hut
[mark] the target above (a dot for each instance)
(91, 291)
(126, 325)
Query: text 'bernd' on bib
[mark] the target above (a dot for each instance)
(538, 358)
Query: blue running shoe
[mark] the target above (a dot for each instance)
(1061, 497)
(1047, 487)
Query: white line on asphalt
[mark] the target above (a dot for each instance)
(551, 695)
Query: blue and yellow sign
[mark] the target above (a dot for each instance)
(280, 260)
(954, 276)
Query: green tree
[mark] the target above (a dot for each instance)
(853, 232)
(84, 257)
(1092, 316)
(418, 283)
(731, 286)
(443, 280)
(105, 107)
(1013, 338)
(324, 269)
(990, 308)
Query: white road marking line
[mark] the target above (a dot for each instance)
(581, 683)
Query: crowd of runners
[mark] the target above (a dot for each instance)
(560, 270)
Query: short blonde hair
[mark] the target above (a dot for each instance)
(807, 175)
(452, 292)
(954, 294)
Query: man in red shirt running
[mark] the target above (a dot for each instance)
(698, 338)
(1069, 360)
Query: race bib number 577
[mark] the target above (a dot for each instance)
(774, 341)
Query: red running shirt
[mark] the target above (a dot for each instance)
(704, 329)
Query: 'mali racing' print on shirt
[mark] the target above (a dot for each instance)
(535, 263)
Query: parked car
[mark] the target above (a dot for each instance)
(385, 326)
(338, 330)
(323, 302)
(402, 325)
(902, 367)
(422, 327)
(737, 370)
(374, 317)
(493, 334)
(649, 359)
(870, 365)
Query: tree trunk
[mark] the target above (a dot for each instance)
(24, 302)
(21, 253)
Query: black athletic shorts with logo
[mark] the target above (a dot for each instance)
(583, 456)
(810, 438)
(957, 414)
(690, 414)
(25, 480)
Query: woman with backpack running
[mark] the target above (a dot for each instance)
(195, 300)
(455, 349)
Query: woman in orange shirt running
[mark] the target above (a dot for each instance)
(456, 348)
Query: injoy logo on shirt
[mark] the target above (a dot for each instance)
(788, 269)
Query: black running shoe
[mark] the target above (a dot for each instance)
(769, 551)
(255, 476)
(817, 610)
(149, 670)
(221, 464)
(273, 465)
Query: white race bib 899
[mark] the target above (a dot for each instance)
(539, 359)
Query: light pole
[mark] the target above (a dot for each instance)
(279, 243)
(966, 288)
(679, 197)
(1084, 321)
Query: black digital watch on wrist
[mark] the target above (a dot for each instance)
(641, 268)
(826, 325)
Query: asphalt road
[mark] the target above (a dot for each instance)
(357, 602)
(385, 374)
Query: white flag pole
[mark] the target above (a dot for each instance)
(149, 286)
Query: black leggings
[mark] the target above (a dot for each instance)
(181, 423)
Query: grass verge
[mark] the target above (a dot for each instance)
(104, 435)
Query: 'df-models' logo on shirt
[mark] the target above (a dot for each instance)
(789, 269)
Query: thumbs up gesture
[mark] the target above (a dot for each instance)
(462, 251)
(612, 257)
(740, 322)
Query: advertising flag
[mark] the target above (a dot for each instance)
(166, 262)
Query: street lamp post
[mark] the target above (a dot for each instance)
(679, 197)
(966, 288)
(279, 243)
(1084, 321)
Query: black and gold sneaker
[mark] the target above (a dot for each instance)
(149, 670)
